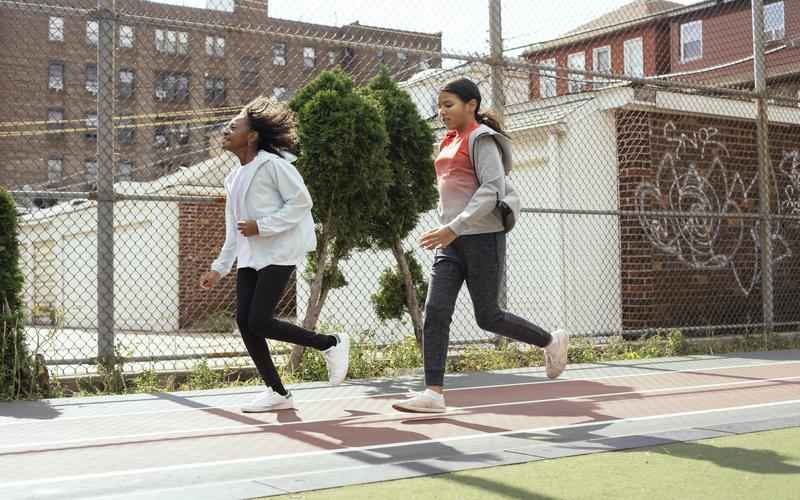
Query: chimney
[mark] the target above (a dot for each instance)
(252, 7)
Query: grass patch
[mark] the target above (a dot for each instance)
(754, 466)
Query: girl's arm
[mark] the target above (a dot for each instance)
(227, 255)
(491, 175)
(296, 200)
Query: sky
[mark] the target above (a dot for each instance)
(463, 23)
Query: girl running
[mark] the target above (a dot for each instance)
(470, 245)
(269, 231)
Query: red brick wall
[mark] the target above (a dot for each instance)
(656, 54)
(690, 282)
(727, 34)
(201, 235)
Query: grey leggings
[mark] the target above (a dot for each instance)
(479, 260)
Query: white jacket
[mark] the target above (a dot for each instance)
(276, 197)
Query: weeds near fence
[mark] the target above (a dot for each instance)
(368, 359)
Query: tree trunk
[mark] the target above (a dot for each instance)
(314, 308)
(411, 291)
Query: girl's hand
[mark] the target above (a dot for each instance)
(209, 279)
(247, 227)
(437, 238)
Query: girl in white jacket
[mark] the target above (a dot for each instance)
(269, 231)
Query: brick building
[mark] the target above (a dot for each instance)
(709, 43)
(178, 72)
(685, 271)
(632, 40)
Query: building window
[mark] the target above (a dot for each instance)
(172, 42)
(380, 55)
(124, 169)
(55, 76)
(165, 136)
(126, 131)
(402, 56)
(126, 37)
(774, 22)
(215, 90)
(547, 79)
(691, 41)
(91, 78)
(92, 33)
(172, 87)
(248, 71)
(601, 63)
(90, 167)
(181, 133)
(576, 61)
(162, 44)
(161, 137)
(349, 55)
(55, 119)
(55, 29)
(333, 57)
(55, 170)
(91, 126)
(280, 93)
(279, 54)
(634, 57)
(215, 46)
(126, 84)
(183, 43)
(309, 57)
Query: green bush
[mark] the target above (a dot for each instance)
(390, 300)
(21, 375)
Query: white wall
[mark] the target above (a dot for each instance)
(592, 291)
(145, 261)
(534, 247)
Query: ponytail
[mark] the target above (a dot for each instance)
(489, 119)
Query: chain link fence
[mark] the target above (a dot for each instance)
(657, 160)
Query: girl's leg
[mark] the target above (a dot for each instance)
(447, 276)
(246, 283)
(270, 286)
(485, 255)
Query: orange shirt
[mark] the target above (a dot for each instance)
(454, 173)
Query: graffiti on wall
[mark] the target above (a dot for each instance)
(692, 178)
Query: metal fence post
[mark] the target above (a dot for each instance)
(498, 106)
(496, 52)
(764, 174)
(105, 183)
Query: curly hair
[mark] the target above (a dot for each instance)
(274, 124)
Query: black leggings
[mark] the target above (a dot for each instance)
(258, 293)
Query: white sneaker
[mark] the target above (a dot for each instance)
(426, 401)
(555, 354)
(337, 358)
(269, 400)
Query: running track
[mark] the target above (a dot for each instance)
(199, 445)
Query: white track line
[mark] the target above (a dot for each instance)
(218, 463)
(457, 411)
(262, 480)
(699, 371)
